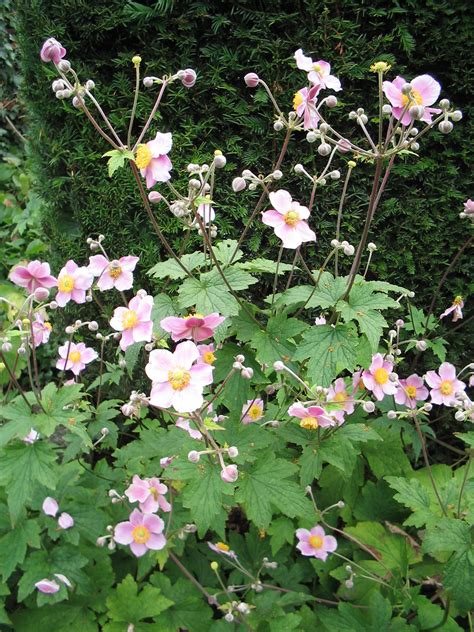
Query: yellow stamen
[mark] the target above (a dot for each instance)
(381, 376)
(315, 541)
(309, 423)
(222, 547)
(414, 98)
(292, 218)
(48, 325)
(446, 387)
(458, 300)
(129, 319)
(209, 357)
(380, 66)
(255, 412)
(340, 396)
(411, 391)
(298, 100)
(75, 356)
(196, 315)
(115, 270)
(179, 378)
(143, 157)
(141, 534)
(66, 283)
(317, 67)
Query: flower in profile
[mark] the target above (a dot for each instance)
(315, 542)
(424, 92)
(287, 218)
(221, 548)
(188, 77)
(411, 390)
(149, 493)
(455, 309)
(74, 357)
(195, 326)
(444, 384)
(469, 207)
(207, 353)
(229, 473)
(31, 437)
(312, 417)
(52, 51)
(47, 586)
(319, 72)
(65, 521)
(185, 425)
(141, 532)
(41, 330)
(134, 321)
(152, 159)
(206, 213)
(116, 273)
(73, 282)
(251, 80)
(320, 320)
(252, 411)
(339, 395)
(50, 506)
(304, 104)
(177, 380)
(32, 276)
(377, 377)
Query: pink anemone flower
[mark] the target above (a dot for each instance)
(315, 542)
(134, 321)
(31, 437)
(455, 309)
(312, 417)
(195, 326)
(32, 276)
(377, 377)
(50, 506)
(444, 384)
(52, 51)
(176, 378)
(74, 357)
(469, 207)
(116, 273)
(304, 104)
(319, 72)
(73, 282)
(151, 159)
(41, 330)
(149, 493)
(338, 394)
(206, 213)
(221, 548)
(425, 91)
(65, 521)
(207, 353)
(141, 532)
(410, 391)
(47, 586)
(287, 218)
(252, 411)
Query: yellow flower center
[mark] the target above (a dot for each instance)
(411, 391)
(381, 376)
(115, 270)
(317, 67)
(457, 300)
(75, 356)
(255, 412)
(143, 157)
(315, 541)
(309, 423)
(209, 357)
(292, 218)
(179, 378)
(380, 66)
(340, 396)
(154, 492)
(414, 98)
(196, 315)
(298, 100)
(129, 319)
(48, 325)
(66, 283)
(222, 547)
(141, 534)
(446, 387)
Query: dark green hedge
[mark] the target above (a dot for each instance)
(417, 227)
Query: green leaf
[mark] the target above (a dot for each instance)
(387, 457)
(117, 158)
(19, 418)
(412, 494)
(171, 269)
(349, 619)
(260, 492)
(14, 544)
(129, 605)
(329, 349)
(265, 265)
(447, 535)
(311, 465)
(459, 579)
(55, 617)
(224, 250)
(281, 531)
(274, 342)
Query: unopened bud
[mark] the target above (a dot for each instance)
(456, 116)
(324, 149)
(238, 184)
(148, 82)
(193, 456)
(445, 127)
(421, 345)
(331, 101)
(278, 126)
(247, 373)
(277, 174)
(251, 80)
(386, 108)
(311, 137)
(220, 161)
(41, 293)
(369, 407)
(444, 104)
(64, 65)
(233, 452)
(391, 414)
(278, 366)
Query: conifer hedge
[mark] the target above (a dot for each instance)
(417, 228)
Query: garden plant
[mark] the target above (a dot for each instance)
(250, 448)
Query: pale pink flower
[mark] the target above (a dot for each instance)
(315, 542)
(304, 103)
(166, 461)
(455, 309)
(185, 425)
(50, 506)
(116, 273)
(62, 578)
(251, 80)
(230, 473)
(207, 213)
(31, 437)
(338, 394)
(287, 218)
(425, 91)
(134, 321)
(357, 383)
(149, 493)
(151, 159)
(141, 532)
(444, 384)
(469, 207)
(47, 586)
(312, 417)
(377, 377)
(65, 521)
(32, 276)
(52, 51)
(176, 380)
(410, 391)
(207, 353)
(74, 357)
(471, 381)
(319, 72)
(195, 326)
(320, 320)
(188, 78)
(41, 330)
(222, 549)
(73, 282)
(252, 411)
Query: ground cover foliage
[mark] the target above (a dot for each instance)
(273, 435)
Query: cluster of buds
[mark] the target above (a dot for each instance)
(245, 371)
(187, 76)
(109, 538)
(347, 248)
(446, 126)
(186, 530)
(234, 609)
(91, 325)
(320, 180)
(359, 116)
(133, 406)
(254, 181)
(349, 582)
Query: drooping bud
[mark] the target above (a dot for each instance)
(188, 78)
(251, 80)
(52, 51)
(41, 293)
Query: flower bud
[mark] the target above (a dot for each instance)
(421, 345)
(349, 250)
(371, 247)
(352, 115)
(230, 474)
(237, 366)
(6, 347)
(233, 452)
(149, 347)
(349, 583)
(277, 174)
(243, 608)
(239, 358)
(386, 109)
(417, 112)
(335, 243)
(229, 617)
(298, 168)
(278, 366)
(391, 414)
(90, 85)
(136, 60)
(104, 431)
(324, 128)
(247, 373)
(220, 161)
(238, 184)
(251, 80)
(64, 65)
(69, 330)
(324, 149)
(363, 118)
(102, 541)
(369, 407)
(460, 415)
(93, 326)
(400, 323)
(311, 137)
(389, 357)
(456, 116)
(445, 127)
(415, 146)
(335, 175)
(270, 389)
(194, 456)
(148, 82)
(343, 145)
(188, 79)
(58, 84)
(77, 102)
(407, 88)
(331, 101)
(52, 51)
(41, 293)
(278, 126)
(428, 407)
(444, 104)
(155, 197)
